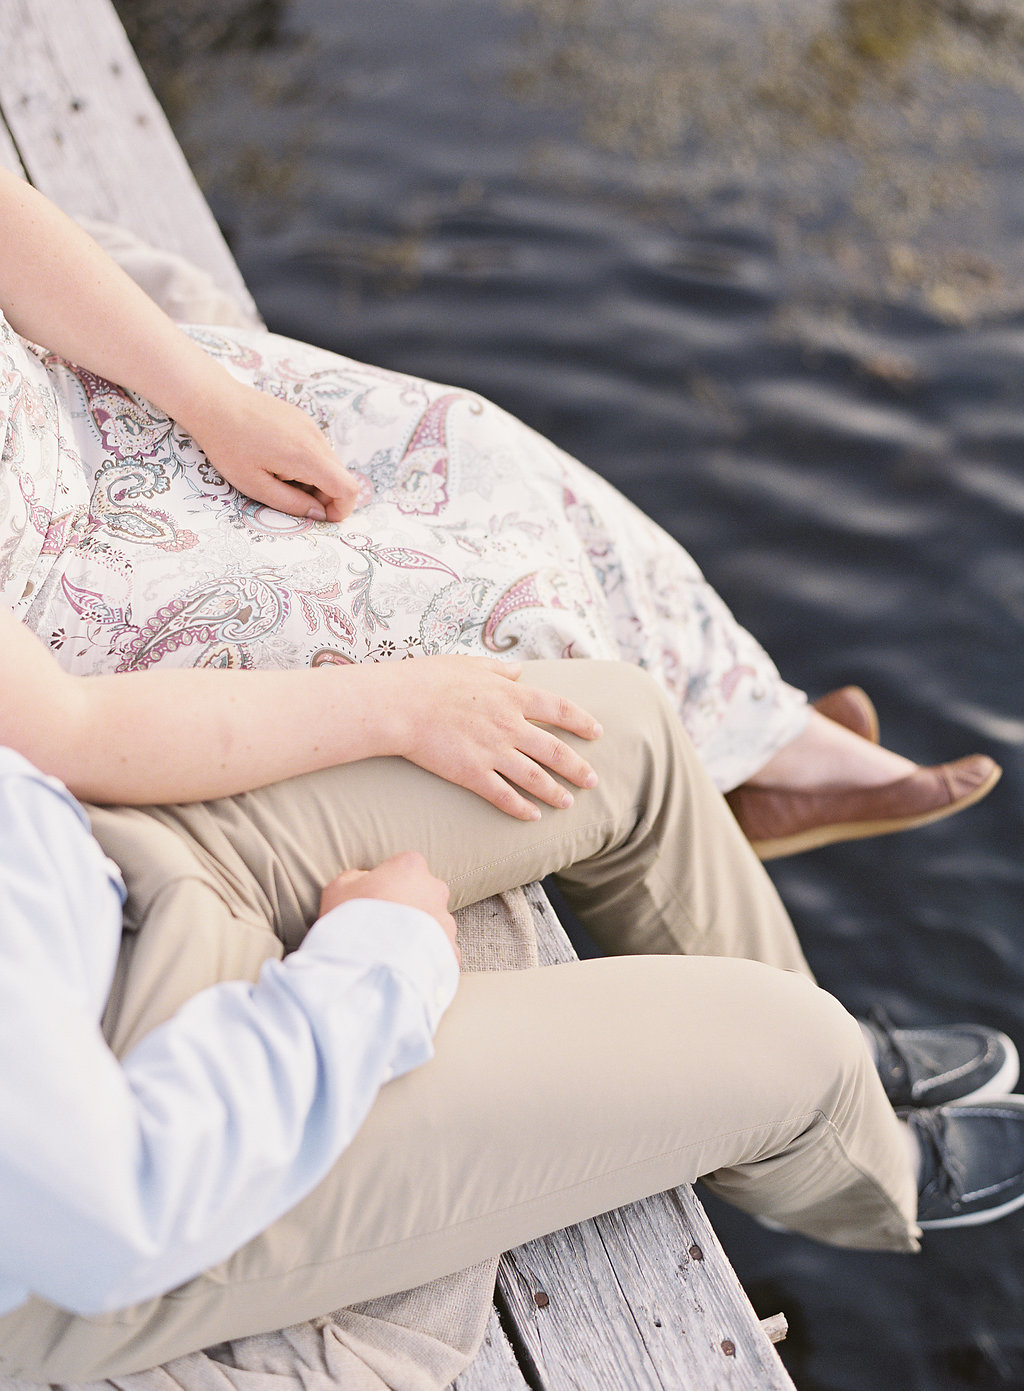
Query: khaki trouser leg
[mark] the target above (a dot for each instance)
(554, 1094)
(651, 859)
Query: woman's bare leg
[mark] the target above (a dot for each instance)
(826, 754)
(834, 782)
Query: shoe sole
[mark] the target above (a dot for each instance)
(1005, 1079)
(992, 1214)
(874, 731)
(974, 1219)
(817, 836)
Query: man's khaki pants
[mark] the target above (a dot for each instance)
(701, 1048)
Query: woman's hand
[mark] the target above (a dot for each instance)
(60, 290)
(471, 721)
(272, 451)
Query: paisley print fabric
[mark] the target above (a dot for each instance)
(124, 549)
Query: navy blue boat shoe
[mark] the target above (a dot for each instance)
(972, 1161)
(949, 1062)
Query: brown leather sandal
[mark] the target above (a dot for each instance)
(778, 821)
(853, 708)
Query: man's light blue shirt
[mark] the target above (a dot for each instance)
(119, 1180)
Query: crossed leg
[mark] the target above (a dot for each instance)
(553, 1094)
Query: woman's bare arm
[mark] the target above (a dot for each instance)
(58, 289)
(185, 735)
(188, 735)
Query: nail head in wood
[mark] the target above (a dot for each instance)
(728, 1347)
(541, 1300)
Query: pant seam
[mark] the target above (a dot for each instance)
(808, 1117)
(902, 1219)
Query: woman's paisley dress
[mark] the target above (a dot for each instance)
(124, 549)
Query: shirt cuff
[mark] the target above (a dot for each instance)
(407, 941)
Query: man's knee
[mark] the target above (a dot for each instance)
(830, 1054)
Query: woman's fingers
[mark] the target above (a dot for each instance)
(272, 451)
(330, 482)
(497, 738)
(545, 748)
(288, 497)
(337, 509)
(494, 789)
(548, 708)
(510, 670)
(528, 774)
(517, 770)
(301, 498)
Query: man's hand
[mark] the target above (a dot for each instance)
(273, 452)
(402, 879)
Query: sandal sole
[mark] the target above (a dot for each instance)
(816, 836)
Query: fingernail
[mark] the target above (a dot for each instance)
(598, 730)
(566, 799)
(316, 513)
(534, 814)
(590, 780)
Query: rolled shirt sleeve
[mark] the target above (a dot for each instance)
(120, 1180)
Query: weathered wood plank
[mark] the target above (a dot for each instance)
(775, 1326)
(553, 946)
(91, 134)
(646, 1289)
(495, 1367)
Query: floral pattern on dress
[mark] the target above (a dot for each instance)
(124, 549)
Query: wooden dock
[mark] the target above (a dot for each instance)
(640, 1298)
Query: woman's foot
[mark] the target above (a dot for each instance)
(828, 755)
(832, 784)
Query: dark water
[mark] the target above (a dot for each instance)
(762, 266)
